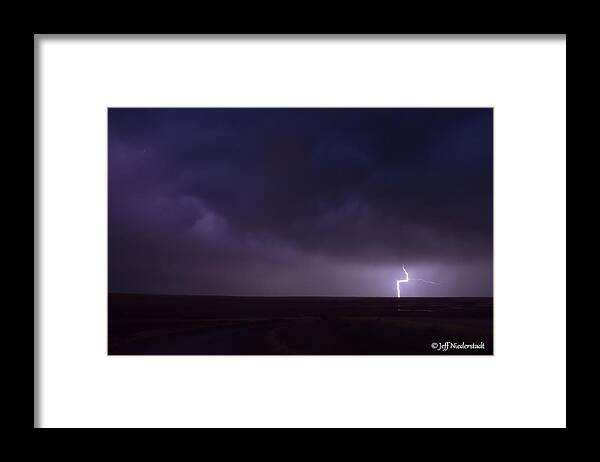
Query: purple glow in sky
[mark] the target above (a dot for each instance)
(280, 202)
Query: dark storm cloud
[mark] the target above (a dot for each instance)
(299, 201)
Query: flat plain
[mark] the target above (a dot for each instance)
(144, 324)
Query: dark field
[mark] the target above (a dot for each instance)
(199, 325)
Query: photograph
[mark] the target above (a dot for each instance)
(300, 231)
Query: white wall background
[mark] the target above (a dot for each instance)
(523, 384)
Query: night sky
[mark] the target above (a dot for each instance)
(300, 201)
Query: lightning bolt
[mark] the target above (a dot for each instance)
(399, 281)
(406, 279)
